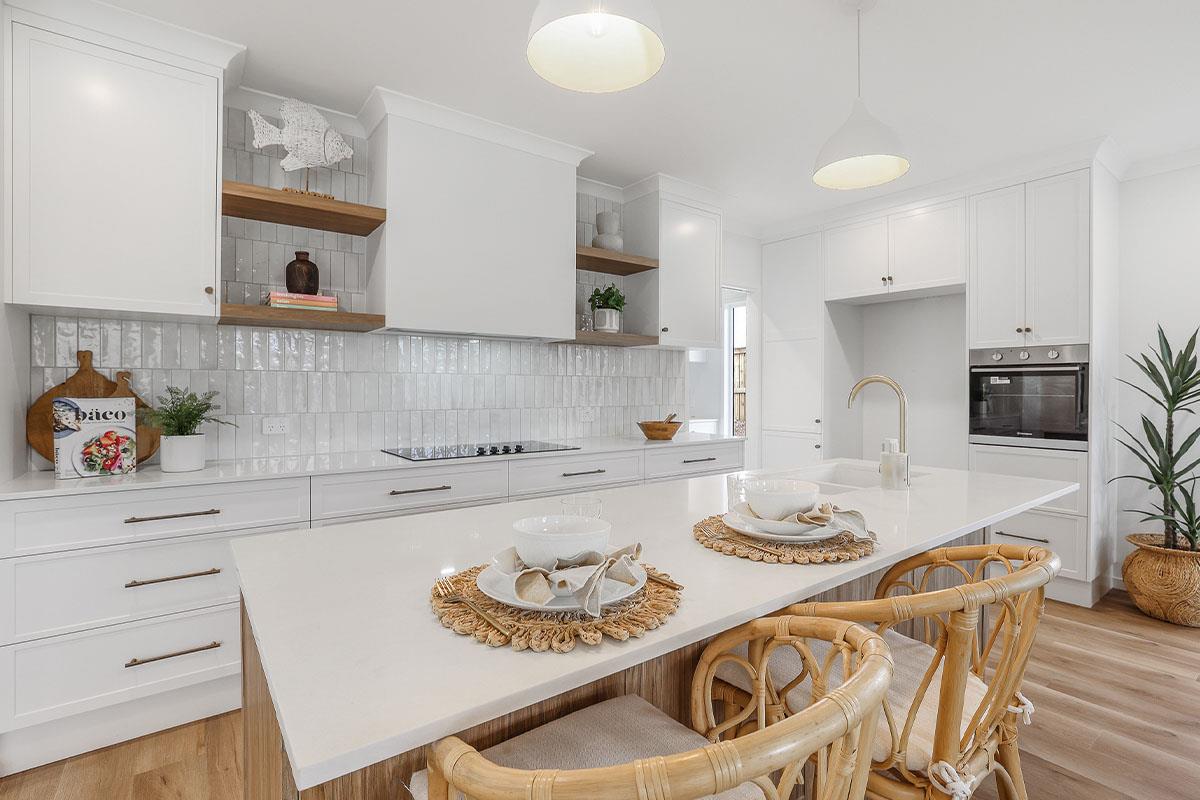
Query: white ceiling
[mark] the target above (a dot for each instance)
(751, 88)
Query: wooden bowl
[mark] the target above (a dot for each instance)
(660, 430)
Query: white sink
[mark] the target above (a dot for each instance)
(843, 475)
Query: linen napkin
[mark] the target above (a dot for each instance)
(827, 515)
(582, 576)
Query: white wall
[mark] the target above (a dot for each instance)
(742, 265)
(921, 344)
(1159, 283)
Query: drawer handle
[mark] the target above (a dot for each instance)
(589, 472)
(209, 513)
(137, 662)
(398, 492)
(184, 577)
(699, 460)
(1023, 538)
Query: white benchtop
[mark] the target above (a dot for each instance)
(44, 484)
(361, 670)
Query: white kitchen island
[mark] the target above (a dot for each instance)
(348, 673)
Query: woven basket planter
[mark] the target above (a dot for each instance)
(1164, 583)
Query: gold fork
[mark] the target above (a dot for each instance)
(447, 592)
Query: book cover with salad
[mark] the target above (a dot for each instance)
(94, 436)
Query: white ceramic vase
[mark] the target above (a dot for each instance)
(608, 231)
(182, 453)
(608, 320)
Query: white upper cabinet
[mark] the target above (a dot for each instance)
(791, 297)
(928, 247)
(1058, 259)
(114, 175)
(689, 276)
(856, 260)
(997, 282)
(480, 232)
(1031, 263)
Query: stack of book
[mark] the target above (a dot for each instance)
(310, 302)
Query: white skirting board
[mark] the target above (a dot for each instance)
(1078, 593)
(42, 744)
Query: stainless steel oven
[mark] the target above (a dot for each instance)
(1030, 397)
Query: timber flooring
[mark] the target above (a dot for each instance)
(1118, 718)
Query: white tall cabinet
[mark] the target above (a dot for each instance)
(1031, 263)
(112, 168)
(793, 318)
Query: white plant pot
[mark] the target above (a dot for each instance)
(182, 453)
(608, 320)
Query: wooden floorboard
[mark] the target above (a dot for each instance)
(1118, 718)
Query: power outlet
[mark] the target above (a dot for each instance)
(274, 425)
(587, 414)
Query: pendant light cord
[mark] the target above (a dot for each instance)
(859, 15)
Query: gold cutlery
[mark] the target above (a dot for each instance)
(664, 580)
(445, 590)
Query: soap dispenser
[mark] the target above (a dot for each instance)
(893, 465)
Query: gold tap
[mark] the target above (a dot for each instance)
(886, 381)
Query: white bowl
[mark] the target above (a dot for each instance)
(779, 498)
(542, 541)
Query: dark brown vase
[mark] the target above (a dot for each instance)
(302, 275)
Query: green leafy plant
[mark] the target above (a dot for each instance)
(1175, 379)
(608, 298)
(181, 412)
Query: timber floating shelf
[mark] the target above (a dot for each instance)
(614, 339)
(294, 208)
(267, 317)
(611, 262)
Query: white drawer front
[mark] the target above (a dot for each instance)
(569, 473)
(1065, 535)
(678, 461)
(1029, 462)
(48, 595)
(65, 675)
(335, 496)
(68, 523)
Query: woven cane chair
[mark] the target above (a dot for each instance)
(625, 749)
(950, 717)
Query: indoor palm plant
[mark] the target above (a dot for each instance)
(1162, 574)
(179, 415)
(607, 306)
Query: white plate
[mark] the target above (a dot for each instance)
(751, 528)
(497, 586)
(781, 527)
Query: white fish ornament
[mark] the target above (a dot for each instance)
(306, 135)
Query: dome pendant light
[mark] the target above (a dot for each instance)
(863, 152)
(596, 45)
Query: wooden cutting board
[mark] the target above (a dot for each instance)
(86, 382)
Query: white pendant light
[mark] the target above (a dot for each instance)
(863, 152)
(596, 46)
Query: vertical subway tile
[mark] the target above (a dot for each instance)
(131, 344)
(66, 341)
(41, 341)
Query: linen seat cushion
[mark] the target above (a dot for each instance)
(617, 731)
(912, 659)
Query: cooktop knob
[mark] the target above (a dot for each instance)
(506, 449)
(1053, 354)
(1024, 356)
(495, 450)
(481, 451)
(519, 448)
(997, 356)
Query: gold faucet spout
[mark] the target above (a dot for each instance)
(886, 381)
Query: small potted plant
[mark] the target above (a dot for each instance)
(1162, 574)
(607, 306)
(179, 415)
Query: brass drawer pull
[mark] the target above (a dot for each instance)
(699, 460)
(398, 492)
(208, 513)
(135, 584)
(589, 472)
(1023, 538)
(137, 662)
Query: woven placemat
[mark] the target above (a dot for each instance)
(716, 535)
(556, 631)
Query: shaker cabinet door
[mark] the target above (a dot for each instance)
(792, 305)
(689, 276)
(856, 260)
(1058, 255)
(114, 188)
(928, 247)
(996, 285)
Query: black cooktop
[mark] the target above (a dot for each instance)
(439, 452)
